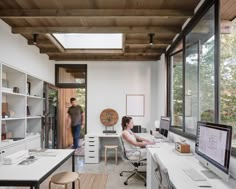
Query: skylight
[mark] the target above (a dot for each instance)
(90, 41)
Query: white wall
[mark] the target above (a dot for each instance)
(109, 82)
(15, 51)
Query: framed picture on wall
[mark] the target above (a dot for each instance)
(135, 105)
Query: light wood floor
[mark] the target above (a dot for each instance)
(114, 181)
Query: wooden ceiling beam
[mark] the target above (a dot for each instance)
(147, 45)
(103, 57)
(94, 13)
(83, 51)
(55, 42)
(103, 51)
(146, 41)
(97, 29)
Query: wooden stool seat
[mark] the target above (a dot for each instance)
(115, 147)
(110, 146)
(65, 178)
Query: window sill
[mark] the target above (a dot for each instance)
(178, 130)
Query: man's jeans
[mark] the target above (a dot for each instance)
(75, 133)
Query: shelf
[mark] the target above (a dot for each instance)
(34, 117)
(12, 118)
(29, 101)
(34, 97)
(11, 93)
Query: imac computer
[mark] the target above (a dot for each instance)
(213, 147)
(164, 127)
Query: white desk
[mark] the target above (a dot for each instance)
(34, 174)
(93, 147)
(175, 165)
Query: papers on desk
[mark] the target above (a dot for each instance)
(153, 145)
(44, 152)
(15, 158)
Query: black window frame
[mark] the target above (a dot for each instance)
(181, 39)
(69, 85)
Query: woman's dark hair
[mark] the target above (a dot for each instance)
(125, 120)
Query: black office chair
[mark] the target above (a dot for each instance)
(135, 162)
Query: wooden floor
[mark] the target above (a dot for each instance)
(93, 181)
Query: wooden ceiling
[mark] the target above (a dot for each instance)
(228, 9)
(134, 18)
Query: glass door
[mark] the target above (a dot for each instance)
(50, 130)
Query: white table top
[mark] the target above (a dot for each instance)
(176, 163)
(34, 171)
(116, 135)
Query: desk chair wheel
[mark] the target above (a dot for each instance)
(121, 174)
(125, 183)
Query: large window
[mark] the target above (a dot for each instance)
(228, 80)
(195, 100)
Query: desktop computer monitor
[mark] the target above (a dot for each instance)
(164, 126)
(213, 147)
(137, 129)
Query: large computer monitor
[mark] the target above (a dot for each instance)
(213, 147)
(164, 126)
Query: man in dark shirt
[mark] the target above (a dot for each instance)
(75, 118)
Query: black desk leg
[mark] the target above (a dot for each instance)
(73, 163)
(36, 186)
(31, 187)
(73, 169)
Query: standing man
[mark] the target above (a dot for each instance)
(75, 118)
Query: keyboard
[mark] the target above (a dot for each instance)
(159, 136)
(194, 175)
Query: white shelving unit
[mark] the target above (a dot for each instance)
(24, 107)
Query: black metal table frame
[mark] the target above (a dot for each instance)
(36, 183)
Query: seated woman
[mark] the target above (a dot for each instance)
(133, 143)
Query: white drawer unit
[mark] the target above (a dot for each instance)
(91, 149)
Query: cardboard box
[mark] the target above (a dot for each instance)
(182, 147)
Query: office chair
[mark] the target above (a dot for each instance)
(136, 162)
(162, 175)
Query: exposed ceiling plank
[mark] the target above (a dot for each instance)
(159, 40)
(97, 29)
(94, 13)
(107, 58)
(55, 42)
(103, 51)
(147, 45)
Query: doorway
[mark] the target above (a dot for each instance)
(71, 81)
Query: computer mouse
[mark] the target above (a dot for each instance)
(31, 157)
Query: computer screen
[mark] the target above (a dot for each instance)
(213, 146)
(136, 129)
(164, 126)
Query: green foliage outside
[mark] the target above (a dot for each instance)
(206, 81)
(80, 96)
(228, 78)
